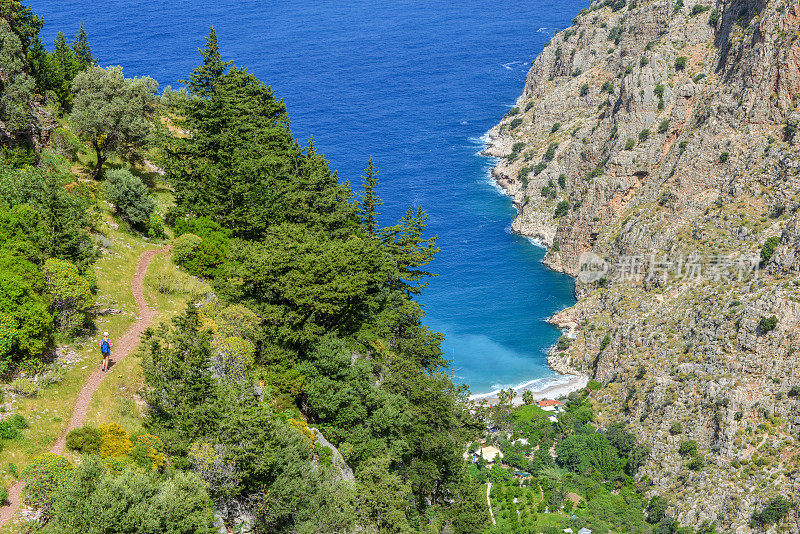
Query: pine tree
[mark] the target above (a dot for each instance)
(64, 66)
(82, 50)
(204, 77)
(369, 200)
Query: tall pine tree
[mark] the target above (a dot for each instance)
(82, 50)
(204, 77)
(369, 200)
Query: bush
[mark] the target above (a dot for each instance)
(551, 151)
(723, 157)
(605, 342)
(584, 89)
(85, 440)
(658, 90)
(713, 17)
(148, 452)
(44, 477)
(24, 387)
(11, 427)
(513, 111)
(688, 448)
(129, 196)
(555, 127)
(563, 343)
(3, 495)
(767, 324)
(697, 9)
(775, 510)
(562, 209)
(539, 167)
(676, 428)
(607, 87)
(518, 146)
(664, 126)
(515, 124)
(696, 463)
(643, 135)
(562, 181)
(155, 227)
(71, 292)
(594, 385)
(629, 144)
(183, 248)
(794, 391)
(114, 441)
(769, 248)
(680, 63)
(656, 509)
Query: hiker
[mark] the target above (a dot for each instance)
(105, 350)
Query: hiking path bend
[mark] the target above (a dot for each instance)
(122, 347)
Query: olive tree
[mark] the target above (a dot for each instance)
(111, 112)
(129, 196)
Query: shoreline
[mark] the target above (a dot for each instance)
(575, 381)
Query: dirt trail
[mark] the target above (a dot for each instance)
(122, 347)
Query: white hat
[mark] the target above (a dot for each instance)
(105, 333)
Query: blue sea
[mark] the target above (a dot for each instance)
(415, 85)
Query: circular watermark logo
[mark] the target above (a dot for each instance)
(591, 267)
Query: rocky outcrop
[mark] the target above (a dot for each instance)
(654, 151)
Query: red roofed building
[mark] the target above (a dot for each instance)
(549, 405)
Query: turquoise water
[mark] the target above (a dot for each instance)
(413, 84)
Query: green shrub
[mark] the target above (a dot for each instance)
(775, 510)
(680, 63)
(794, 391)
(696, 463)
(71, 292)
(643, 135)
(676, 428)
(515, 124)
(555, 127)
(769, 248)
(658, 90)
(697, 9)
(551, 151)
(3, 495)
(24, 387)
(723, 157)
(513, 111)
(562, 181)
(85, 440)
(656, 509)
(183, 248)
(44, 477)
(155, 227)
(562, 208)
(584, 89)
(713, 17)
(643, 61)
(11, 427)
(688, 448)
(607, 87)
(539, 168)
(529, 105)
(563, 343)
(629, 144)
(767, 324)
(605, 342)
(594, 385)
(129, 196)
(517, 146)
(664, 126)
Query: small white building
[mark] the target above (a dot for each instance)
(489, 453)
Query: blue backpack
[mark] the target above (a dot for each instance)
(105, 348)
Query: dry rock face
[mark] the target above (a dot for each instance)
(663, 139)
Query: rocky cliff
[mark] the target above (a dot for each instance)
(654, 150)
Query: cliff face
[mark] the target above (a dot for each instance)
(662, 138)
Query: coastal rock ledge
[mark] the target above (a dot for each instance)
(662, 138)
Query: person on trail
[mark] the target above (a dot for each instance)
(105, 350)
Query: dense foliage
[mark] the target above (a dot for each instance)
(332, 334)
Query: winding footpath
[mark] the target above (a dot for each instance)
(122, 347)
